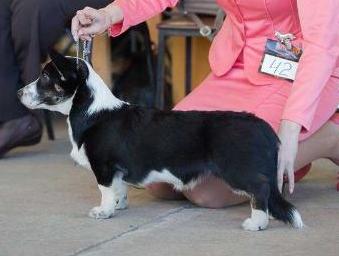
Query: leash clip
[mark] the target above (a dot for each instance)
(285, 39)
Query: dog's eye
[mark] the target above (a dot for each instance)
(56, 99)
(45, 76)
(58, 88)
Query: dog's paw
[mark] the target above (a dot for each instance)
(100, 213)
(121, 204)
(251, 225)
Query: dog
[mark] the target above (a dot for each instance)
(127, 144)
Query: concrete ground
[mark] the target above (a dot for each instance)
(44, 200)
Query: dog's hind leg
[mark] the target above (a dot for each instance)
(259, 205)
(120, 189)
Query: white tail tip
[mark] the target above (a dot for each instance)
(297, 222)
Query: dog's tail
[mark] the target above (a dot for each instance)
(278, 207)
(283, 210)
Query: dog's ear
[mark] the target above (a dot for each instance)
(60, 62)
(58, 59)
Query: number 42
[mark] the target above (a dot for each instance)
(281, 68)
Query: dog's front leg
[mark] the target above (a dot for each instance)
(107, 205)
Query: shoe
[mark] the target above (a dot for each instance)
(23, 131)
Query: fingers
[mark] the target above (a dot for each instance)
(82, 23)
(87, 15)
(84, 18)
(78, 22)
(290, 172)
(85, 37)
(87, 32)
(284, 166)
(75, 28)
(91, 13)
(280, 175)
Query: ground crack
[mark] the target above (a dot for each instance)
(133, 229)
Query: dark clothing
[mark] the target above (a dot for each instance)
(28, 28)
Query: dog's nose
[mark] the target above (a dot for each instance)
(20, 93)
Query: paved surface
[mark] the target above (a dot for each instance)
(44, 200)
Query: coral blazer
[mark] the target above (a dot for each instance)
(315, 23)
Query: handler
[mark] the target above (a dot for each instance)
(291, 80)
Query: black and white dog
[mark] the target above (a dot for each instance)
(122, 143)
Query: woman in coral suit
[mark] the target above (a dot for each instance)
(302, 112)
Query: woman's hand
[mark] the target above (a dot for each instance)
(90, 22)
(289, 137)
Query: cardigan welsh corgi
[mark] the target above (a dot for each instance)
(122, 143)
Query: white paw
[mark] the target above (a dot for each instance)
(251, 225)
(100, 213)
(122, 204)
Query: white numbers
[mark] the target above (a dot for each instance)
(279, 67)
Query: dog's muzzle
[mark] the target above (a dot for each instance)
(20, 93)
(28, 95)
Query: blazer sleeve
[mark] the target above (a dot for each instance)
(137, 11)
(319, 23)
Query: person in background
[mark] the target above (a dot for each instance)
(28, 28)
(301, 112)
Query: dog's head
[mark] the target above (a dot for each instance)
(56, 85)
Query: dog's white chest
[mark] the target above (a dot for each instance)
(78, 155)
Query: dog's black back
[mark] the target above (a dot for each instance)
(190, 144)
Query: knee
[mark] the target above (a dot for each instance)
(207, 199)
(164, 191)
(212, 192)
(201, 199)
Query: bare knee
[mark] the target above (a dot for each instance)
(201, 199)
(211, 198)
(164, 191)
